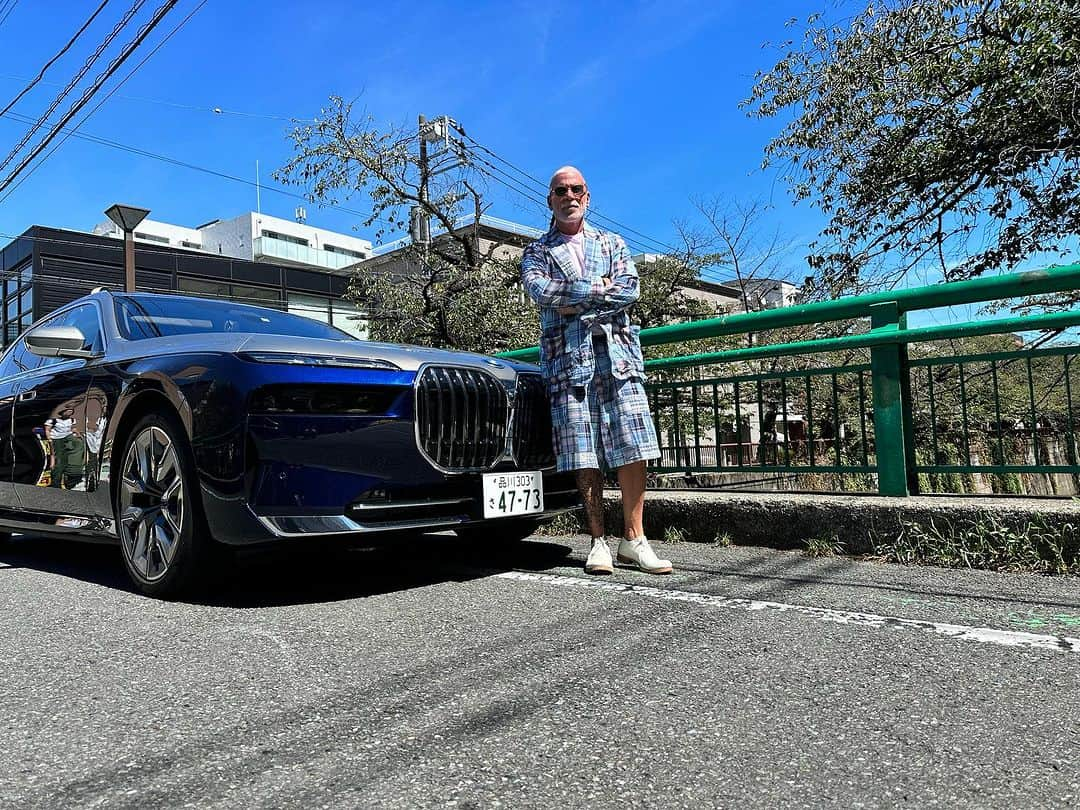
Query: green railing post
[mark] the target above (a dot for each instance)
(893, 429)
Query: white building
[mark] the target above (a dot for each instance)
(750, 295)
(153, 232)
(256, 237)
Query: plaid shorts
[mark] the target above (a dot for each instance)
(603, 425)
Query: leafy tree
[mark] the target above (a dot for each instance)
(931, 131)
(455, 293)
(460, 292)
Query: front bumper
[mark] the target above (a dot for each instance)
(456, 503)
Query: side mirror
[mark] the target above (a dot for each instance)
(57, 341)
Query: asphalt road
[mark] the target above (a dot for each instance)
(431, 676)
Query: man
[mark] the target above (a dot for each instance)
(585, 281)
(68, 448)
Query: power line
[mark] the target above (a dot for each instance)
(536, 196)
(52, 61)
(164, 158)
(129, 49)
(195, 107)
(74, 130)
(542, 185)
(58, 100)
(503, 177)
(181, 164)
(10, 8)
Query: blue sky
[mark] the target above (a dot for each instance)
(643, 96)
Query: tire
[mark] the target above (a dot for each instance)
(164, 540)
(499, 532)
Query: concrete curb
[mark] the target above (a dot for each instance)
(787, 521)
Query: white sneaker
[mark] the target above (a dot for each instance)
(599, 561)
(639, 553)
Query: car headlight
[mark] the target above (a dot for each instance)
(294, 359)
(325, 399)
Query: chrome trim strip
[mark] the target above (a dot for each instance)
(306, 525)
(408, 504)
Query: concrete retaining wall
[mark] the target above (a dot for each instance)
(787, 520)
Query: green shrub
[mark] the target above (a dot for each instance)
(824, 546)
(985, 543)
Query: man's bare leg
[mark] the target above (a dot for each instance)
(635, 548)
(632, 486)
(591, 486)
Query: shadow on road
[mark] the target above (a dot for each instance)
(296, 573)
(289, 575)
(97, 563)
(777, 576)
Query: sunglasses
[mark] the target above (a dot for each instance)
(577, 188)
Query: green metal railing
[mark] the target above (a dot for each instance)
(900, 425)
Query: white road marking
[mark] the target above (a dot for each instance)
(983, 635)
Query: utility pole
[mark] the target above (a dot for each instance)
(420, 215)
(475, 258)
(419, 221)
(421, 133)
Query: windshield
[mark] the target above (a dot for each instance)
(143, 316)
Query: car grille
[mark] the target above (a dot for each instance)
(532, 423)
(461, 417)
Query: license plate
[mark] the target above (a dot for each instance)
(515, 493)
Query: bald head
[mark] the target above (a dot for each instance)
(566, 174)
(568, 198)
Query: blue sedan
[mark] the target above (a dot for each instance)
(181, 426)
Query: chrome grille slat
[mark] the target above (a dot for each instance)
(455, 425)
(462, 415)
(532, 423)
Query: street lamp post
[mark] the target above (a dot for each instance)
(127, 217)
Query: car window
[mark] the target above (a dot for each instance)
(7, 364)
(18, 359)
(139, 317)
(85, 319)
(56, 320)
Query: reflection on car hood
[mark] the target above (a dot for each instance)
(408, 358)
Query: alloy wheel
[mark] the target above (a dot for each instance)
(151, 503)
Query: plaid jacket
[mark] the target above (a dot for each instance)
(552, 279)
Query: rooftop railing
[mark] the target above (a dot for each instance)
(881, 420)
(280, 249)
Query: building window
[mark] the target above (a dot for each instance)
(187, 244)
(356, 254)
(18, 304)
(260, 296)
(241, 293)
(296, 240)
(152, 237)
(316, 307)
(347, 317)
(334, 311)
(205, 287)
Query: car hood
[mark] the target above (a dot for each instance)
(407, 358)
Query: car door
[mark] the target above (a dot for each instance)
(51, 462)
